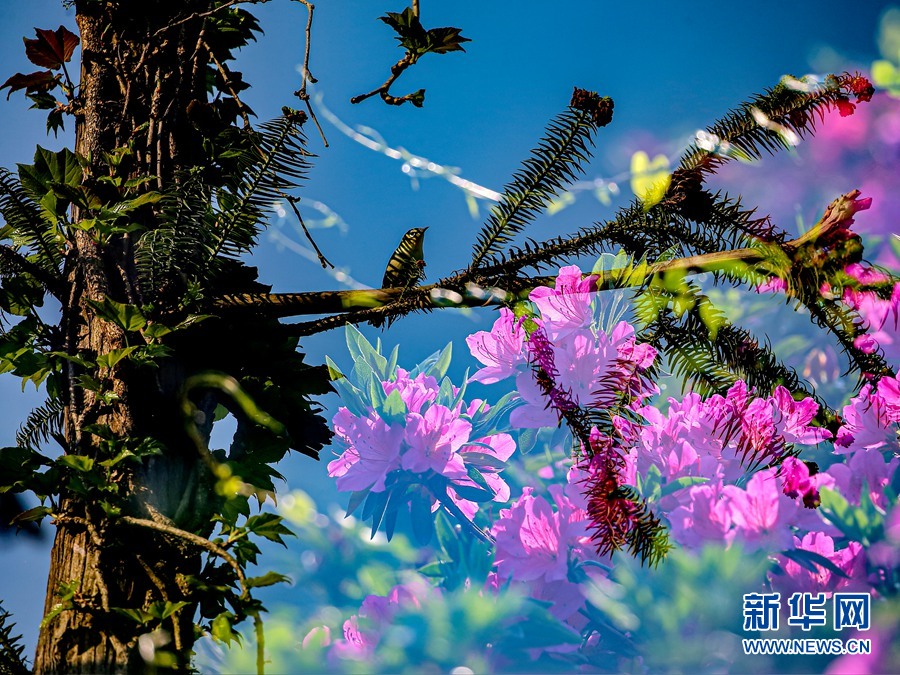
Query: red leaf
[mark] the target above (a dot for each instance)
(51, 48)
(42, 80)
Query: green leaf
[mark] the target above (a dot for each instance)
(446, 536)
(356, 498)
(221, 629)
(267, 579)
(49, 168)
(393, 410)
(422, 517)
(680, 483)
(77, 462)
(127, 317)
(129, 205)
(444, 40)
(137, 615)
(811, 561)
(110, 359)
(269, 526)
(37, 514)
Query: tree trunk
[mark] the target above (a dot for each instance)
(137, 79)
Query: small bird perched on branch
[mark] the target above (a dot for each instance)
(406, 268)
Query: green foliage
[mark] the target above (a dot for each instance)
(555, 162)
(417, 41)
(12, 658)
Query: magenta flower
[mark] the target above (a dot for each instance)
(797, 579)
(762, 513)
(567, 307)
(373, 451)
(706, 517)
(433, 441)
(501, 350)
(416, 392)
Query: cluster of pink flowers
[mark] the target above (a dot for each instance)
(711, 441)
(881, 317)
(537, 542)
(589, 366)
(430, 438)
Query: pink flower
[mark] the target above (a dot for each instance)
(533, 541)
(415, 392)
(314, 636)
(762, 513)
(705, 518)
(373, 451)
(881, 319)
(850, 560)
(501, 350)
(865, 466)
(792, 418)
(433, 441)
(868, 421)
(567, 307)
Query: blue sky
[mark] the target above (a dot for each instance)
(672, 68)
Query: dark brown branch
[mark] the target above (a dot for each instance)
(293, 202)
(356, 306)
(195, 539)
(226, 80)
(384, 90)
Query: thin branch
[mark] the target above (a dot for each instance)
(293, 202)
(307, 77)
(384, 90)
(226, 79)
(203, 15)
(356, 306)
(176, 622)
(194, 539)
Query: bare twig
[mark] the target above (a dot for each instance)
(196, 540)
(384, 90)
(307, 76)
(293, 202)
(226, 79)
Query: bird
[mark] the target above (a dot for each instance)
(406, 267)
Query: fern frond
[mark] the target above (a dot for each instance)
(175, 253)
(769, 122)
(555, 162)
(42, 424)
(709, 354)
(273, 160)
(27, 225)
(12, 651)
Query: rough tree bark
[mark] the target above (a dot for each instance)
(139, 73)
